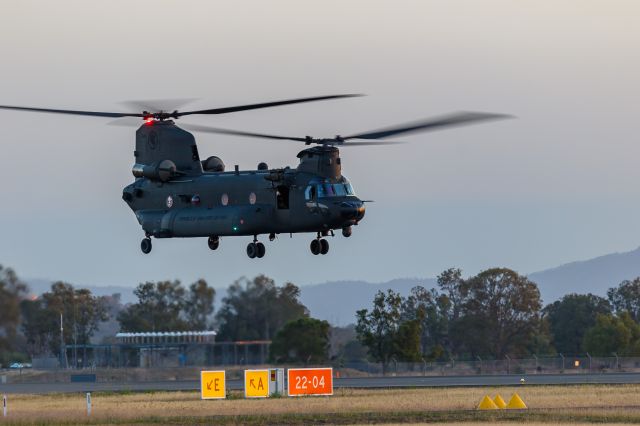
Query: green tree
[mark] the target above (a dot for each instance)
(570, 318)
(501, 313)
(159, 308)
(407, 341)
(378, 328)
(256, 309)
(305, 340)
(619, 334)
(12, 290)
(433, 312)
(540, 342)
(199, 305)
(36, 328)
(626, 297)
(80, 311)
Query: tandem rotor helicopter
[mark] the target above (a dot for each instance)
(177, 195)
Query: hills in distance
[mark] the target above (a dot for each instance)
(338, 301)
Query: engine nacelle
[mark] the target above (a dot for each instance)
(162, 171)
(213, 164)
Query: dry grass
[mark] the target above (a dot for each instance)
(548, 404)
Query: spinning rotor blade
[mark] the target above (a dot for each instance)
(207, 129)
(263, 105)
(175, 114)
(450, 120)
(68, 111)
(358, 143)
(157, 104)
(430, 124)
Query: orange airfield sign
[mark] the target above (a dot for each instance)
(310, 381)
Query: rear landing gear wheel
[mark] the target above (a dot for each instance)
(315, 247)
(213, 242)
(324, 246)
(261, 250)
(145, 245)
(252, 250)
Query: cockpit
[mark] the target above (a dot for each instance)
(324, 189)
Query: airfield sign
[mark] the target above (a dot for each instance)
(310, 381)
(212, 385)
(256, 383)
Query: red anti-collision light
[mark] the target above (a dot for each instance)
(148, 121)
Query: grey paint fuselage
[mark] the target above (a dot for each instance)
(198, 203)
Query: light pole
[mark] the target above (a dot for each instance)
(62, 351)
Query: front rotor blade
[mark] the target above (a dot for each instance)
(358, 143)
(431, 124)
(73, 112)
(263, 105)
(207, 129)
(156, 105)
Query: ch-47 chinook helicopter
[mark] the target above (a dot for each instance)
(176, 195)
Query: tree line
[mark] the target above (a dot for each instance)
(256, 309)
(494, 314)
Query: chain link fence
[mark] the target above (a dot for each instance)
(559, 364)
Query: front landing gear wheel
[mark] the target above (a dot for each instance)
(324, 246)
(315, 247)
(145, 246)
(261, 250)
(213, 242)
(252, 250)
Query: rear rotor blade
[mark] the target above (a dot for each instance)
(207, 129)
(226, 110)
(431, 124)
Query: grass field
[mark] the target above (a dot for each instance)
(547, 405)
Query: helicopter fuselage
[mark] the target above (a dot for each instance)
(176, 195)
(243, 203)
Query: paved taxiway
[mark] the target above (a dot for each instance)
(360, 382)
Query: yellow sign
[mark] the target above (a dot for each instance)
(212, 385)
(256, 383)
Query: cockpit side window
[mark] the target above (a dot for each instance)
(348, 188)
(328, 189)
(340, 189)
(310, 192)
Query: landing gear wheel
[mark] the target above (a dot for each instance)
(324, 246)
(252, 250)
(261, 250)
(315, 247)
(145, 245)
(213, 242)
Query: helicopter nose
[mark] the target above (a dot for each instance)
(353, 210)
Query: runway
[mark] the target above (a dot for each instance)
(360, 382)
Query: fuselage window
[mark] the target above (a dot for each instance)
(282, 197)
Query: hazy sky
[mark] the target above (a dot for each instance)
(557, 184)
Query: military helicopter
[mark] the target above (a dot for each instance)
(177, 195)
